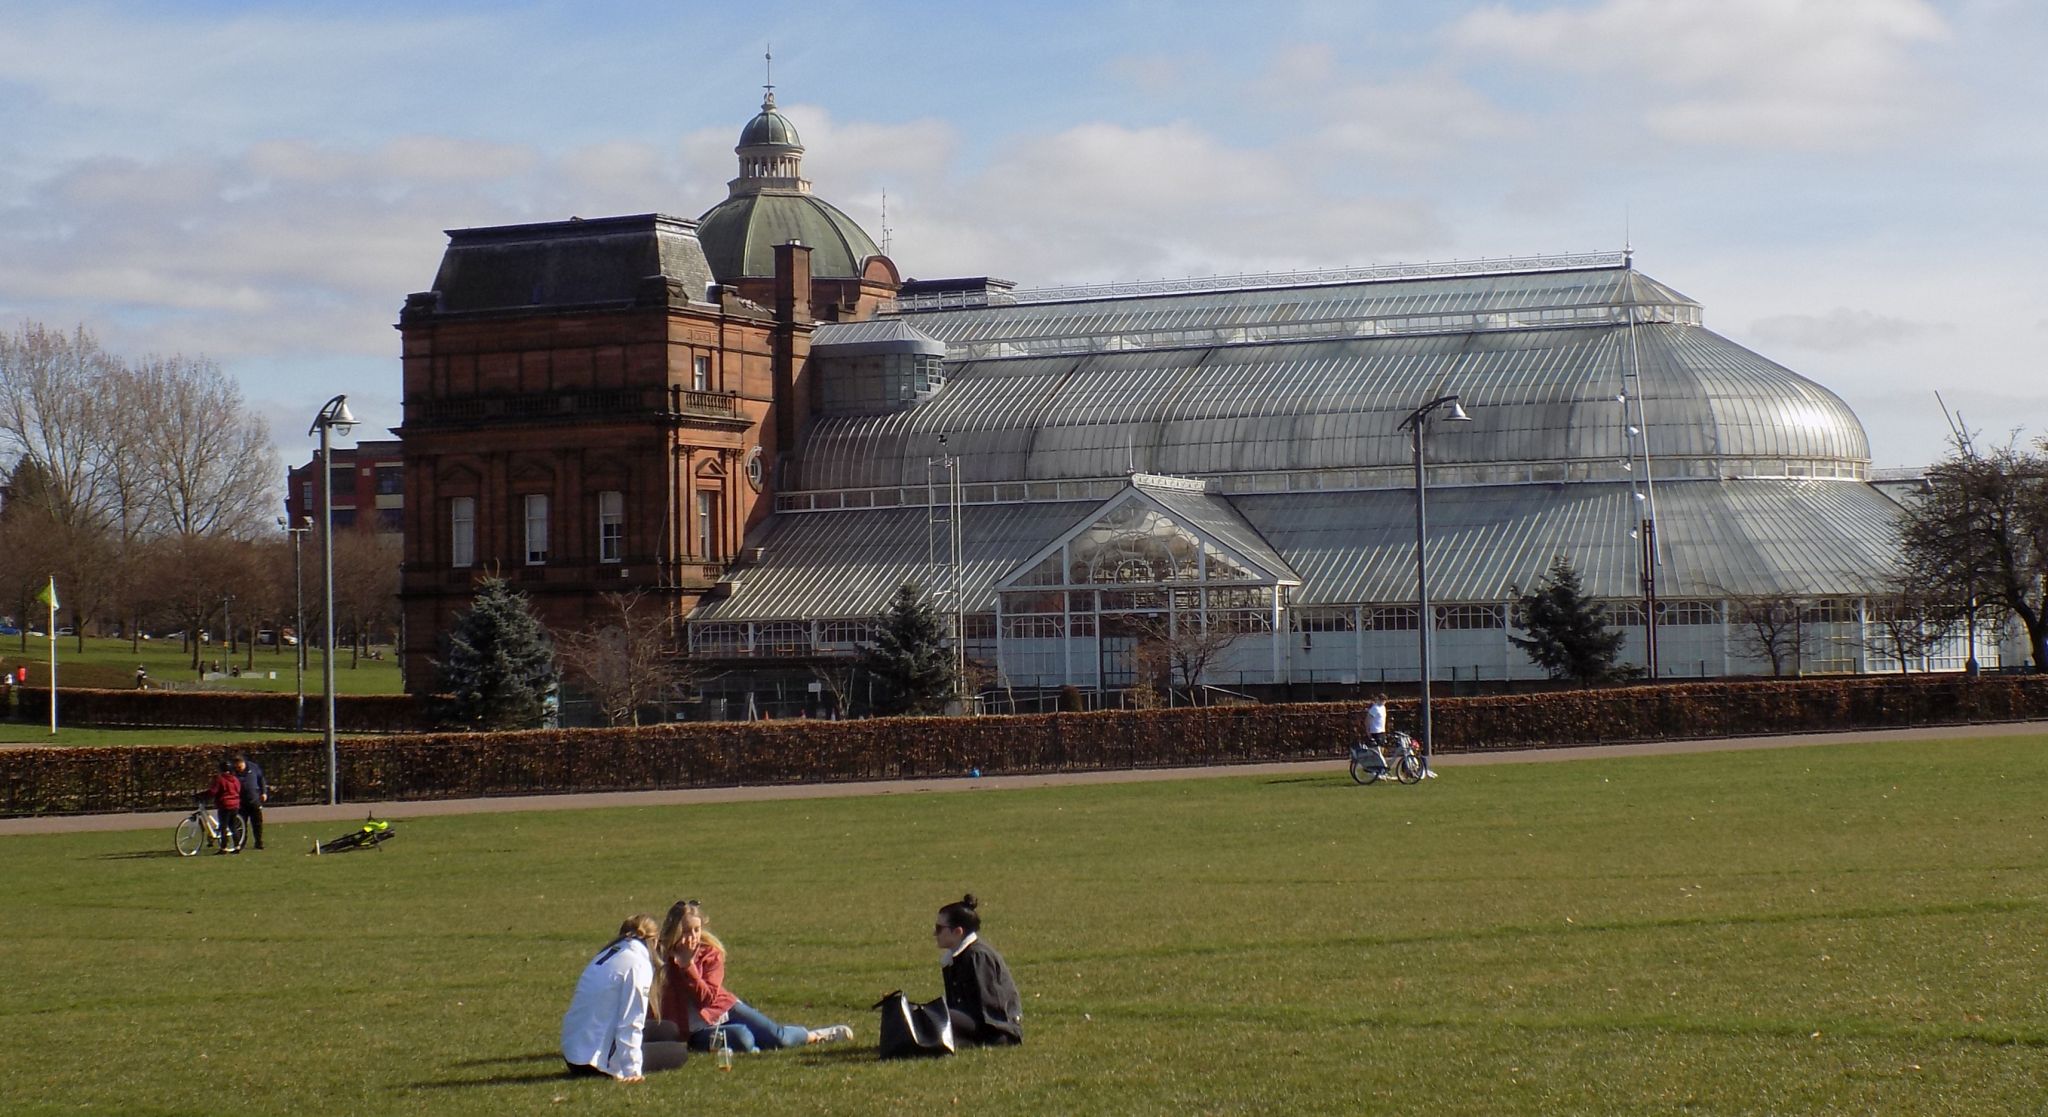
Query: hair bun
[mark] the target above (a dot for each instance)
(969, 902)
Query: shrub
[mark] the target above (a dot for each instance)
(712, 754)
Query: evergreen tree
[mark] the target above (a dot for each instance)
(500, 667)
(911, 665)
(1568, 634)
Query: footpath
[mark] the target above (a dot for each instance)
(1449, 762)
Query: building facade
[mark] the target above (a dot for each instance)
(777, 432)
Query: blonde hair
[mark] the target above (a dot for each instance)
(674, 926)
(640, 927)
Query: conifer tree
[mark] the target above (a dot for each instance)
(910, 663)
(500, 666)
(1568, 634)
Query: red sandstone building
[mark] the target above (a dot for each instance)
(369, 488)
(604, 405)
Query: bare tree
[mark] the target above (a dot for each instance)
(57, 406)
(626, 662)
(1178, 654)
(1769, 626)
(1905, 620)
(1979, 534)
(365, 586)
(212, 469)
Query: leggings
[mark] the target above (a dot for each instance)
(252, 824)
(660, 1050)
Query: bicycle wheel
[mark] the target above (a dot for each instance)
(191, 836)
(1408, 768)
(232, 838)
(1362, 771)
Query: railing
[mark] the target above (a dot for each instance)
(563, 405)
(1439, 269)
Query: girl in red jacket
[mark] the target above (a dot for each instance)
(226, 793)
(691, 996)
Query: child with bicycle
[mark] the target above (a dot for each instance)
(225, 792)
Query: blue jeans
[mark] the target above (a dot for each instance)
(747, 1030)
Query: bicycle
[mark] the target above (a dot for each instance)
(202, 830)
(1368, 766)
(372, 834)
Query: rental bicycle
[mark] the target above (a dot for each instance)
(1368, 766)
(202, 830)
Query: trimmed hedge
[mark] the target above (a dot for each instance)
(455, 765)
(213, 709)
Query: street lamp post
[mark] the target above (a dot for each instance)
(1424, 627)
(334, 418)
(298, 611)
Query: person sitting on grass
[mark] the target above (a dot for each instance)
(602, 1033)
(692, 1000)
(980, 993)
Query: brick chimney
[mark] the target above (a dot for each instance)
(792, 353)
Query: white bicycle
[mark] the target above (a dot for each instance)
(202, 830)
(1368, 766)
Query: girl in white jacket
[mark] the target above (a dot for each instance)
(602, 1031)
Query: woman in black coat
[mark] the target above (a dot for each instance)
(980, 993)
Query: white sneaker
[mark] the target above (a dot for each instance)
(1429, 773)
(837, 1033)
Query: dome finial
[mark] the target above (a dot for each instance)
(768, 96)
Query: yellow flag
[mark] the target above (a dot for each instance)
(49, 594)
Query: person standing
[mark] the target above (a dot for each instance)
(980, 993)
(602, 1033)
(226, 793)
(255, 792)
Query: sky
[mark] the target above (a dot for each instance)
(1850, 187)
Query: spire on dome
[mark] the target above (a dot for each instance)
(771, 155)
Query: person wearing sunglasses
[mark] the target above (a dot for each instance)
(981, 995)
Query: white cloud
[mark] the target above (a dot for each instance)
(1744, 73)
(1841, 330)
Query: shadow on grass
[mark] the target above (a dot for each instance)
(137, 855)
(1320, 781)
(545, 1066)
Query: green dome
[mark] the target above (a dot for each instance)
(739, 235)
(769, 128)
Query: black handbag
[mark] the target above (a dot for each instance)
(909, 1030)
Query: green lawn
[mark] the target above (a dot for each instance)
(1839, 930)
(112, 663)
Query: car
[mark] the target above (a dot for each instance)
(10, 630)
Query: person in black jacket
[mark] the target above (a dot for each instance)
(255, 790)
(980, 993)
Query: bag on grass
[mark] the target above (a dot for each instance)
(911, 1029)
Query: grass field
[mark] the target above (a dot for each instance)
(1838, 929)
(112, 663)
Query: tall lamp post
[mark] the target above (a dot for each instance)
(1414, 424)
(334, 418)
(299, 610)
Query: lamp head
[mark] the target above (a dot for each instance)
(1457, 414)
(334, 416)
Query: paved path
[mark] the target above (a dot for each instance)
(1449, 761)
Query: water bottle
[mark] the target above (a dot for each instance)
(721, 1050)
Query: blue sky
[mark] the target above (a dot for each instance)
(1849, 186)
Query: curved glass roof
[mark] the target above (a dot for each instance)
(1535, 395)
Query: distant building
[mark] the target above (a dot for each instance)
(369, 488)
(754, 422)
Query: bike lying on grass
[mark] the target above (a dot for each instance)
(202, 830)
(1368, 766)
(372, 834)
